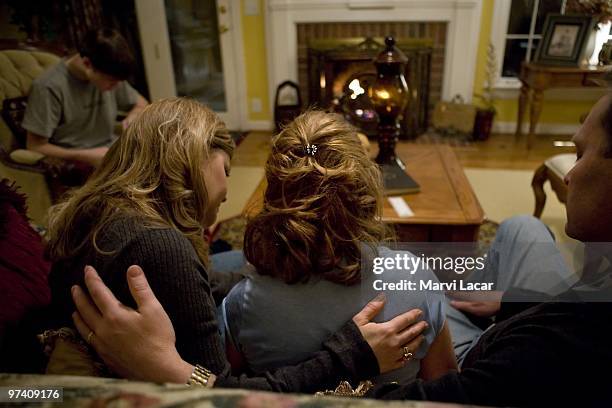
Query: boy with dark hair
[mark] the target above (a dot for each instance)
(73, 105)
(108, 51)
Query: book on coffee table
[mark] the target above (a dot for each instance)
(397, 181)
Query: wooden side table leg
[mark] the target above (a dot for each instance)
(523, 102)
(536, 109)
(537, 183)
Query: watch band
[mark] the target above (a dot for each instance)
(200, 376)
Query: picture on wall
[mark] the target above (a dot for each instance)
(564, 39)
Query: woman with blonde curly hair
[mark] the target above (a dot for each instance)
(159, 186)
(322, 207)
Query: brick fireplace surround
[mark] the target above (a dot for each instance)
(430, 31)
(435, 31)
(454, 26)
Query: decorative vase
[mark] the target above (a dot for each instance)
(483, 124)
(389, 96)
(605, 55)
(589, 48)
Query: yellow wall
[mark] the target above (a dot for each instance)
(253, 29)
(256, 72)
(553, 111)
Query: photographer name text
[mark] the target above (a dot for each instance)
(455, 285)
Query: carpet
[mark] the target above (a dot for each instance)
(504, 193)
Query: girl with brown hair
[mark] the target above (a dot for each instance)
(322, 208)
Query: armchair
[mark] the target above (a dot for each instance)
(553, 170)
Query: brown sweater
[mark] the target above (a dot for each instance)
(181, 283)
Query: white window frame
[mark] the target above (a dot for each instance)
(501, 19)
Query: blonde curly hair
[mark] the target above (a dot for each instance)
(154, 171)
(318, 208)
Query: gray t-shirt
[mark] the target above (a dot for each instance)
(274, 324)
(72, 112)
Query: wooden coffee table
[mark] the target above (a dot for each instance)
(446, 209)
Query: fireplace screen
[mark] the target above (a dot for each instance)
(340, 72)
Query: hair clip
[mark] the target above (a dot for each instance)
(311, 149)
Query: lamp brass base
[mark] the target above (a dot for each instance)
(396, 180)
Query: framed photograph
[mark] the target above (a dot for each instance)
(564, 39)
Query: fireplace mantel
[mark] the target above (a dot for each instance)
(463, 28)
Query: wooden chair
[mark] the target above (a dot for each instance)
(553, 170)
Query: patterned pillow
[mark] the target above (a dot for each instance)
(13, 110)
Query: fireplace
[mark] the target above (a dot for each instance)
(451, 24)
(340, 72)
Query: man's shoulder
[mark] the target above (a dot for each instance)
(558, 319)
(578, 310)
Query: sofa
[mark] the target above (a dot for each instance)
(110, 392)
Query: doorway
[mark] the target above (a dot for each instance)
(189, 49)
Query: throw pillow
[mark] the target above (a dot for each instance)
(23, 282)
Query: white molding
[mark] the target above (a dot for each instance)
(463, 28)
(556, 94)
(263, 125)
(228, 42)
(541, 128)
(155, 43)
(238, 47)
(460, 60)
(507, 83)
(499, 26)
(367, 4)
(269, 59)
(157, 55)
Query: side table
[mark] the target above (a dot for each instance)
(535, 79)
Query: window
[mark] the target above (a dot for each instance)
(523, 21)
(517, 31)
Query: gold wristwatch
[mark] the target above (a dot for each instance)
(200, 376)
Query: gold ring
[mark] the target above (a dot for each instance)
(90, 336)
(407, 354)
